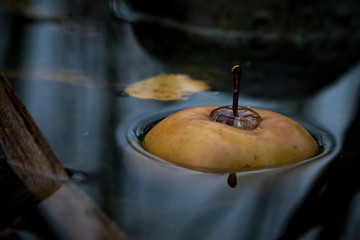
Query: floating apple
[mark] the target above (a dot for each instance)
(229, 139)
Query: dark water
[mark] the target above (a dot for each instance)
(70, 61)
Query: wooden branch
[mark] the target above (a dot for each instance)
(32, 159)
(25, 148)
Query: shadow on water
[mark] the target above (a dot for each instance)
(330, 205)
(69, 64)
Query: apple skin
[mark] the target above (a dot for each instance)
(190, 139)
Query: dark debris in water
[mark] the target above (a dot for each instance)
(232, 180)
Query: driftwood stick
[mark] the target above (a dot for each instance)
(32, 159)
(25, 148)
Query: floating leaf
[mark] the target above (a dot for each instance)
(166, 87)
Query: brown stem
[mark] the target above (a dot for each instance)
(236, 74)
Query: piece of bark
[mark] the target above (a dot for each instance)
(32, 159)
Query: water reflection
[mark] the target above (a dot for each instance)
(328, 204)
(82, 122)
(335, 106)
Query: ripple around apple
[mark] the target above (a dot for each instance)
(148, 168)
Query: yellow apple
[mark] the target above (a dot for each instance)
(190, 139)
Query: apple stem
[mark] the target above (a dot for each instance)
(236, 74)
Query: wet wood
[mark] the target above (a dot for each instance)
(25, 148)
(15, 197)
(32, 159)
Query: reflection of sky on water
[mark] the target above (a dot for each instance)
(80, 124)
(40, 48)
(334, 107)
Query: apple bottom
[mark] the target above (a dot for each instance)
(190, 139)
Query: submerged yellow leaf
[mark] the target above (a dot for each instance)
(69, 76)
(166, 87)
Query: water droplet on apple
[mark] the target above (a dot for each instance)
(247, 118)
(239, 117)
